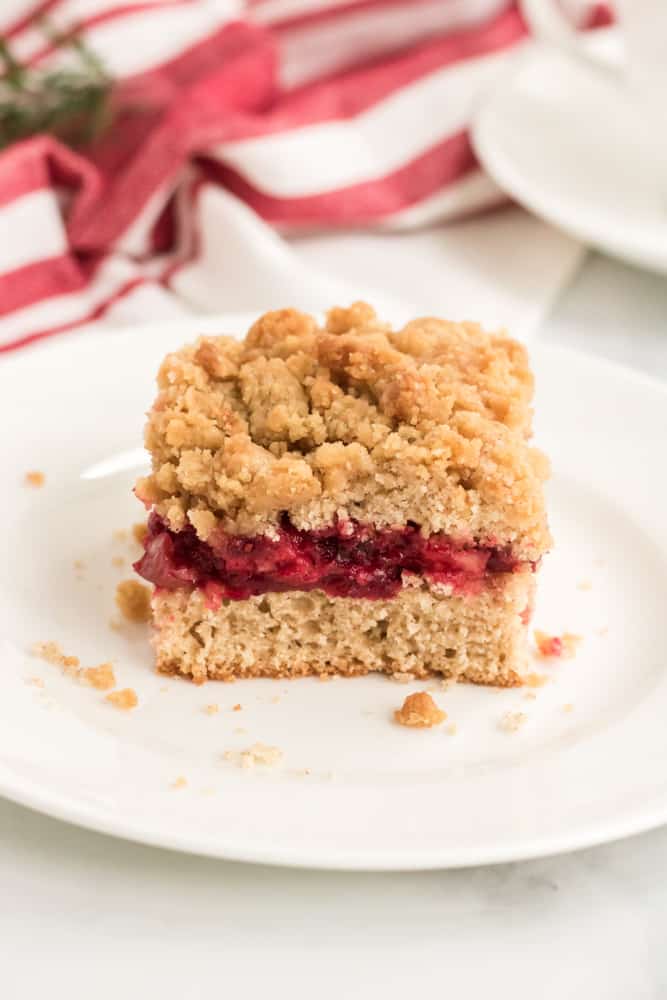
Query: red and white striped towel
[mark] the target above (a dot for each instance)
(307, 113)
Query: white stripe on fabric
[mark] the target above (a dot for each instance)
(331, 155)
(31, 229)
(317, 50)
(140, 40)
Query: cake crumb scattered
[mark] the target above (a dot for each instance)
(239, 731)
(125, 699)
(212, 709)
(584, 585)
(35, 682)
(511, 721)
(452, 729)
(535, 680)
(51, 652)
(102, 678)
(236, 708)
(139, 531)
(419, 711)
(118, 562)
(569, 707)
(530, 695)
(115, 625)
(179, 782)
(34, 479)
(402, 677)
(258, 753)
(79, 564)
(275, 699)
(134, 600)
(120, 535)
(551, 646)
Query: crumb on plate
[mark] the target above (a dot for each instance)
(134, 600)
(551, 646)
(584, 585)
(35, 682)
(51, 652)
(120, 535)
(569, 707)
(419, 711)
(102, 677)
(212, 709)
(258, 753)
(118, 561)
(236, 708)
(34, 479)
(511, 721)
(125, 699)
(452, 729)
(179, 782)
(402, 677)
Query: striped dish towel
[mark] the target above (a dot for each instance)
(236, 120)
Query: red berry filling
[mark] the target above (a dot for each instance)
(347, 559)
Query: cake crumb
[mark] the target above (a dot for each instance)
(35, 682)
(236, 708)
(134, 600)
(34, 479)
(51, 652)
(419, 711)
(115, 625)
(258, 753)
(139, 531)
(239, 731)
(535, 680)
(511, 721)
(79, 564)
(212, 709)
(275, 699)
(552, 646)
(102, 678)
(402, 677)
(125, 699)
(120, 535)
(530, 695)
(179, 782)
(584, 585)
(569, 707)
(452, 729)
(118, 562)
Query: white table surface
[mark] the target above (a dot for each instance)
(83, 915)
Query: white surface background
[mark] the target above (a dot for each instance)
(82, 915)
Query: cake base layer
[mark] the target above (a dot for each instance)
(423, 630)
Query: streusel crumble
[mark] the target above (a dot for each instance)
(342, 499)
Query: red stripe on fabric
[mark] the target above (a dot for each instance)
(360, 203)
(323, 14)
(27, 20)
(96, 313)
(43, 279)
(113, 14)
(340, 97)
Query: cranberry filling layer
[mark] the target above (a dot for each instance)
(347, 559)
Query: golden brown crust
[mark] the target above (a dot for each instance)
(428, 424)
(419, 711)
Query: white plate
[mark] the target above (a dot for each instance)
(376, 796)
(570, 145)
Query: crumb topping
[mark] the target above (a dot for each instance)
(351, 420)
(419, 711)
(125, 699)
(134, 600)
